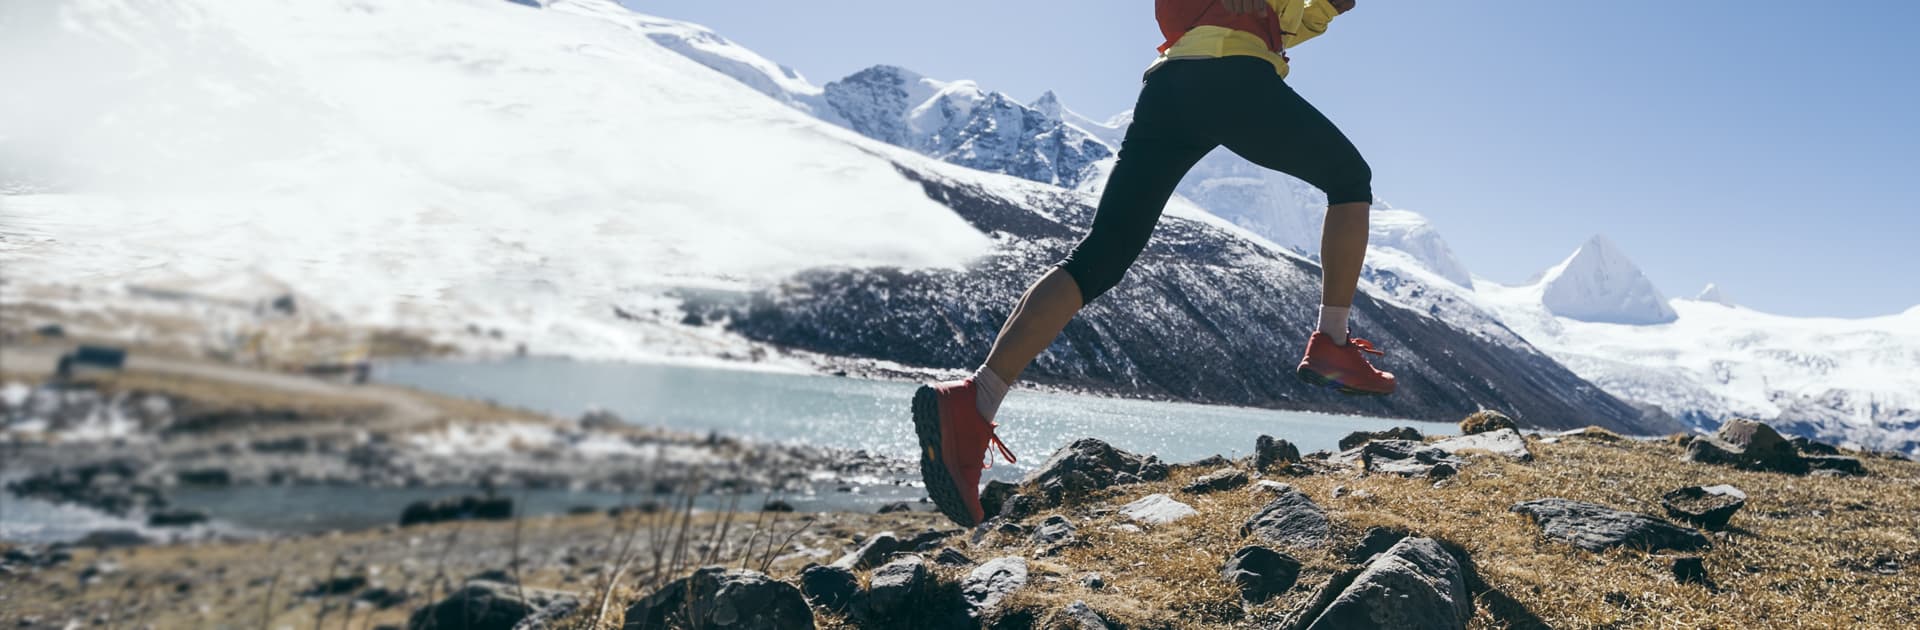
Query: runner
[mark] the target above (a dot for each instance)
(1220, 81)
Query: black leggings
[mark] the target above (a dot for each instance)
(1187, 107)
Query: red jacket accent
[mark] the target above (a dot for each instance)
(1179, 16)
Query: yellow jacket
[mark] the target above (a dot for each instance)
(1300, 19)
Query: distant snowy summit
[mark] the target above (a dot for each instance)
(1713, 294)
(1598, 283)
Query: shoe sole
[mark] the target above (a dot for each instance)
(1317, 380)
(940, 485)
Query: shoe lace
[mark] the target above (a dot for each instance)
(1364, 346)
(993, 439)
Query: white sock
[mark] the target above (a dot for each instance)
(1333, 322)
(989, 390)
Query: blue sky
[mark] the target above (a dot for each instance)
(1765, 145)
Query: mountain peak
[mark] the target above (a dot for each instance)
(1713, 294)
(1598, 283)
(1048, 105)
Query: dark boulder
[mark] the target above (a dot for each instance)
(1079, 616)
(1085, 466)
(1376, 541)
(993, 498)
(896, 506)
(714, 597)
(1406, 458)
(483, 605)
(1597, 528)
(1750, 445)
(176, 518)
(1836, 464)
(103, 538)
(1707, 506)
(871, 553)
(777, 505)
(338, 585)
(1415, 585)
(1260, 573)
(1486, 420)
(1222, 479)
(1270, 454)
(1692, 570)
(1291, 519)
(469, 507)
(1810, 447)
(382, 598)
(991, 582)
(830, 588)
(1054, 534)
(1208, 462)
(1357, 438)
(951, 557)
(927, 540)
(897, 591)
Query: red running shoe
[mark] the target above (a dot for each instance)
(1344, 368)
(953, 448)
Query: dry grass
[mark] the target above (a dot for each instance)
(1793, 558)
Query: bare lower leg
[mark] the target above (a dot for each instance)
(1343, 249)
(1037, 319)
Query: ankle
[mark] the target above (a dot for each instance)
(989, 390)
(1333, 323)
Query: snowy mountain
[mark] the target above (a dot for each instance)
(1853, 381)
(563, 178)
(1712, 293)
(1598, 283)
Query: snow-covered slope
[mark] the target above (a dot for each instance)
(1855, 381)
(431, 163)
(1598, 283)
(1712, 293)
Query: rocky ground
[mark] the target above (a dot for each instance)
(1582, 529)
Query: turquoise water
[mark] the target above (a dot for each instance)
(866, 414)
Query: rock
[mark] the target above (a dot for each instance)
(777, 505)
(1269, 486)
(1691, 570)
(1590, 433)
(993, 498)
(929, 539)
(1093, 581)
(1376, 541)
(1503, 442)
(1486, 420)
(1291, 519)
(1406, 458)
(382, 598)
(1079, 616)
(1222, 479)
(102, 538)
(1270, 453)
(1054, 534)
(1596, 527)
(1210, 461)
(1156, 509)
(896, 591)
(991, 582)
(1710, 506)
(483, 605)
(714, 597)
(870, 554)
(1415, 585)
(1087, 465)
(176, 518)
(205, 477)
(1260, 573)
(950, 557)
(601, 420)
(896, 506)
(97, 571)
(831, 588)
(1357, 438)
(339, 585)
(457, 508)
(1845, 466)
(493, 575)
(1810, 447)
(1750, 445)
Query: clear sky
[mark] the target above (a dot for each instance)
(1769, 146)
